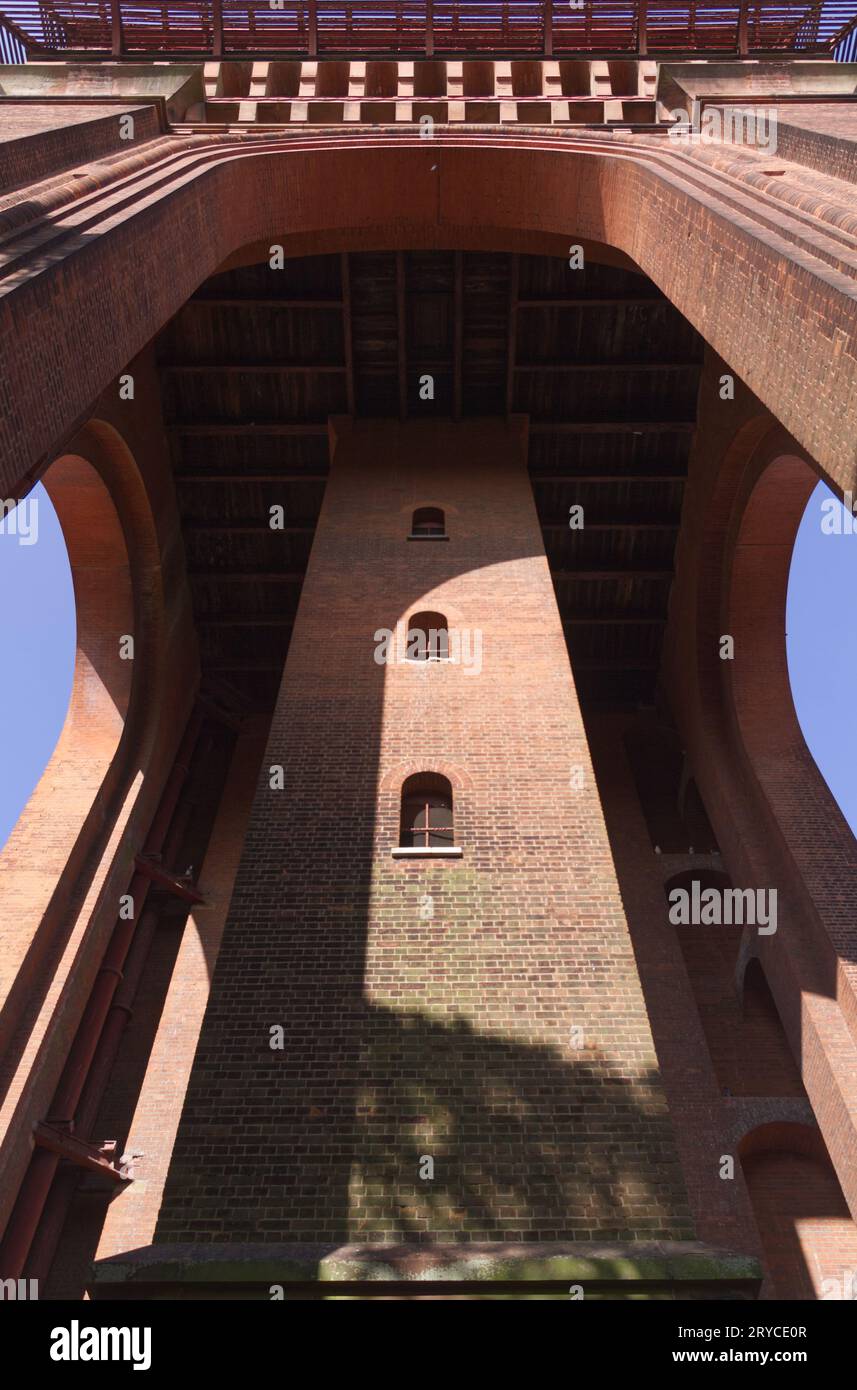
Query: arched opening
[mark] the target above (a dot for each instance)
(809, 844)
(674, 813)
(700, 836)
(39, 627)
(822, 657)
(784, 827)
(426, 816)
(808, 1236)
(769, 1068)
(747, 1044)
(428, 637)
(428, 524)
(65, 842)
(103, 666)
(769, 512)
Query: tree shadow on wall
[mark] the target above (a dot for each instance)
(421, 1130)
(517, 1138)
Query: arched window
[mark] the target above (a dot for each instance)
(426, 821)
(428, 637)
(428, 525)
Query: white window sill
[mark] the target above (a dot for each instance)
(430, 852)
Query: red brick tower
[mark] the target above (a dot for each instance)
(331, 960)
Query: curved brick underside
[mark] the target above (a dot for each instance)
(744, 256)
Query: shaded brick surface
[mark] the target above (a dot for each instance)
(450, 1035)
(807, 1232)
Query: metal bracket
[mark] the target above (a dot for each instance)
(94, 1157)
(179, 886)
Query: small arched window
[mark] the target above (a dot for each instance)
(426, 821)
(428, 525)
(428, 637)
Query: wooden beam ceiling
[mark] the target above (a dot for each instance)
(604, 367)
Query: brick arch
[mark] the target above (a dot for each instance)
(485, 190)
(420, 500)
(808, 1236)
(56, 812)
(764, 1039)
(738, 467)
(776, 821)
(759, 709)
(120, 531)
(459, 779)
(433, 601)
(783, 1136)
(748, 955)
(765, 524)
(101, 506)
(70, 855)
(706, 878)
(741, 542)
(390, 787)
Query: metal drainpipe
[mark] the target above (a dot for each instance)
(40, 1174)
(121, 1010)
(52, 1221)
(50, 1229)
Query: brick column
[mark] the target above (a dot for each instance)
(428, 1008)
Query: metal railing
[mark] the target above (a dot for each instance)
(350, 28)
(845, 43)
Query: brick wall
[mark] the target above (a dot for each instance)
(427, 1007)
(807, 1232)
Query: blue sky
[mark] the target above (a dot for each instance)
(38, 643)
(821, 646)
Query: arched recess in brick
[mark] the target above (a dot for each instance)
(808, 1235)
(768, 1057)
(746, 1042)
(56, 862)
(675, 816)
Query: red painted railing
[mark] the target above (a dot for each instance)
(425, 27)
